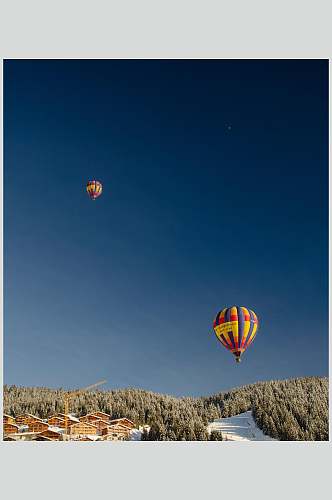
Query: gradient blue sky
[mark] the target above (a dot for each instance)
(194, 217)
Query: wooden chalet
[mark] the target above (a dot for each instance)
(116, 430)
(70, 419)
(27, 419)
(51, 435)
(38, 426)
(101, 424)
(102, 415)
(123, 421)
(91, 418)
(10, 428)
(8, 419)
(56, 421)
(83, 428)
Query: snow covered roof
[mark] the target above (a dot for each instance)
(70, 416)
(56, 429)
(100, 413)
(122, 419)
(116, 425)
(28, 415)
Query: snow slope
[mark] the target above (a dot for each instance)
(241, 427)
(135, 435)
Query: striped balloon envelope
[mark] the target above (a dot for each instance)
(94, 189)
(236, 328)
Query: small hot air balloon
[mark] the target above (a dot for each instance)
(236, 328)
(94, 189)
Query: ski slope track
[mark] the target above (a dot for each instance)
(241, 427)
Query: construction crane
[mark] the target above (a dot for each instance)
(70, 394)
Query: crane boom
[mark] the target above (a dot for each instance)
(87, 388)
(69, 394)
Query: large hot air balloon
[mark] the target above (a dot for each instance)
(236, 328)
(94, 189)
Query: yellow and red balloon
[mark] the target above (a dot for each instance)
(236, 328)
(94, 189)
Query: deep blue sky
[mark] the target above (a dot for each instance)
(194, 217)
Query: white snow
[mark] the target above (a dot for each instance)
(241, 427)
(135, 435)
(56, 429)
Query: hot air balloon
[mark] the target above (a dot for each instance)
(94, 189)
(236, 328)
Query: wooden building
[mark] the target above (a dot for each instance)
(8, 419)
(70, 419)
(101, 424)
(123, 421)
(38, 426)
(91, 418)
(27, 419)
(118, 431)
(56, 421)
(10, 428)
(102, 415)
(51, 435)
(82, 429)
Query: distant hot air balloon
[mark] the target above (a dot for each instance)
(236, 328)
(94, 189)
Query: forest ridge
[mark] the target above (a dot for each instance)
(287, 410)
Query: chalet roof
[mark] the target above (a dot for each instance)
(103, 422)
(54, 428)
(5, 415)
(101, 413)
(90, 415)
(50, 430)
(71, 417)
(28, 415)
(123, 418)
(56, 416)
(117, 425)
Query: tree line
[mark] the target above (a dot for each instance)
(295, 409)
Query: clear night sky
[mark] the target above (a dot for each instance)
(215, 177)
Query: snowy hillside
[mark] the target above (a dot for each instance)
(241, 427)
(135, 435)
